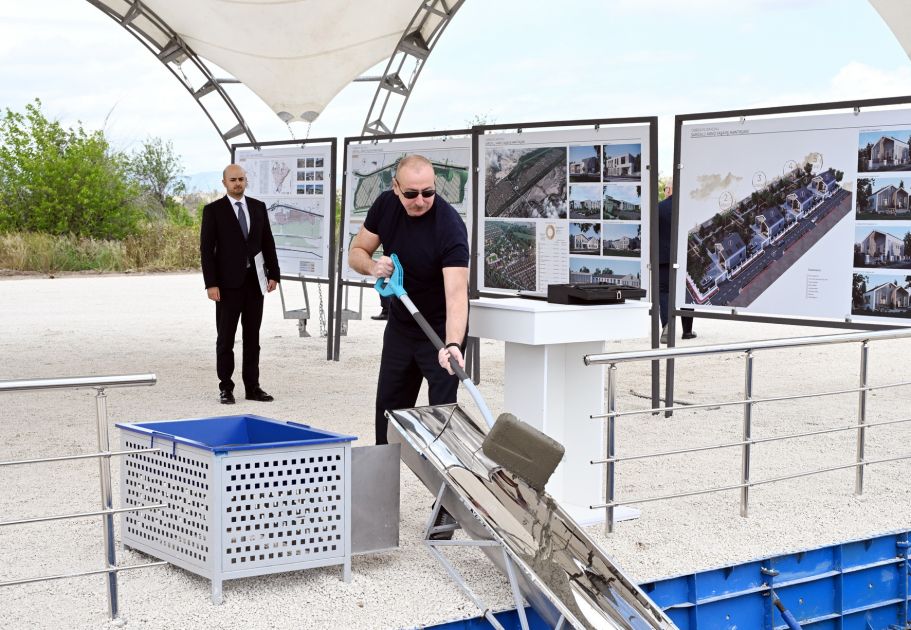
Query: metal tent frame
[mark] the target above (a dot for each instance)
(170, 49)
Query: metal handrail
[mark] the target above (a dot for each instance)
(104, 454)
(77, 382)
(727, 348)
(64, 576)
(715, 447)
(741, 486)
(747, 401)
(733, 403)
(62, 517)
(66, 458)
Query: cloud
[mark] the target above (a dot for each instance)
(709, 184)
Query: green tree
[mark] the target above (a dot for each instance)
(858, 288)
(62, 180)
(158, 169)
(865, 194)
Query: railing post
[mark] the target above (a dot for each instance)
(861, 418)
(747, 434)
(610, 447)
(107, 500)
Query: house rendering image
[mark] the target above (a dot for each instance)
(622, 164)
(586, 166)
(731, 251)
(735, 255)
(881, 247)
(889, 151)
(614, 207)
(624, 242)
(628, 279)
(770, 222)
(581, 242)
(824, 184)
(801, 199)
(890, 200)
(886, 296)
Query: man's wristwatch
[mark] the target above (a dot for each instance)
(453, 345)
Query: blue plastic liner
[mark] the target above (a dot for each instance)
(235, 433)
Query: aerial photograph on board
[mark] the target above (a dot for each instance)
(527, 183)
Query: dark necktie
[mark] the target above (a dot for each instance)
(242, 218)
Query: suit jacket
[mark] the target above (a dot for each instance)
(665, 218)
(222, 249)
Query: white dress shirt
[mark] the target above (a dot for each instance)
(243, 203)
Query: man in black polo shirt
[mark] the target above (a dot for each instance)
(431, 242)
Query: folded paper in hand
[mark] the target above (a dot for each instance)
(260, 263)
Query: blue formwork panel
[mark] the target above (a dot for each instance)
(509, 619)
(858, 585)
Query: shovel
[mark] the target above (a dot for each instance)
(511, 443)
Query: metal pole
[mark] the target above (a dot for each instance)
(610, 446)
(747, 435)
(107, 500)
(861, 418)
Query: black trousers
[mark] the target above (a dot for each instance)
(664, 285)
(246, 305)
(404, 363)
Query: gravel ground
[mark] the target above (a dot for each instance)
(127, 324)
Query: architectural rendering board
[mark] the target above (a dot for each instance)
(796, 217)
(371, 167)
(563, 206)
(294, 183)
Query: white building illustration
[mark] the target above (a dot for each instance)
(890, 200)
(889, 151)
(882, 247)
(886, 296)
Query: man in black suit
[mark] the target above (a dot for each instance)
(235, 229)
(665, 218)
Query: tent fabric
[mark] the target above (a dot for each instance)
(897, 16)
(296, 55)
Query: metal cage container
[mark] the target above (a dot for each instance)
(245, 496)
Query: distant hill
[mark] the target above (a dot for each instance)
(206, 182)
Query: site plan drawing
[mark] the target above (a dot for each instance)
(293, 181)
(563, 206)
(371, 167)
(790, 216)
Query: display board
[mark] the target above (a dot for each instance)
(804, 216)
(295, 183)
(370, 167)
(568, 205)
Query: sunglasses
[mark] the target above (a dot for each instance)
(413, 194)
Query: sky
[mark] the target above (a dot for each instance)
(508, 61)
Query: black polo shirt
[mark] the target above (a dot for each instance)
(424, 246)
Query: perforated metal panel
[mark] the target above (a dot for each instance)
(179, 478)
(238, 514)
(282, 508)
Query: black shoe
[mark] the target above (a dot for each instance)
(444, 519)
(260, 395)
(689, 335)
(225, 397)
(383, 314)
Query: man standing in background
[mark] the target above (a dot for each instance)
(665, 217)
(234, 239)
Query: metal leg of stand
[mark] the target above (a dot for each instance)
(453, 573)
(516, 595)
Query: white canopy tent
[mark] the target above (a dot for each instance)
(897, 15)
(298, 55)
(295, 55)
